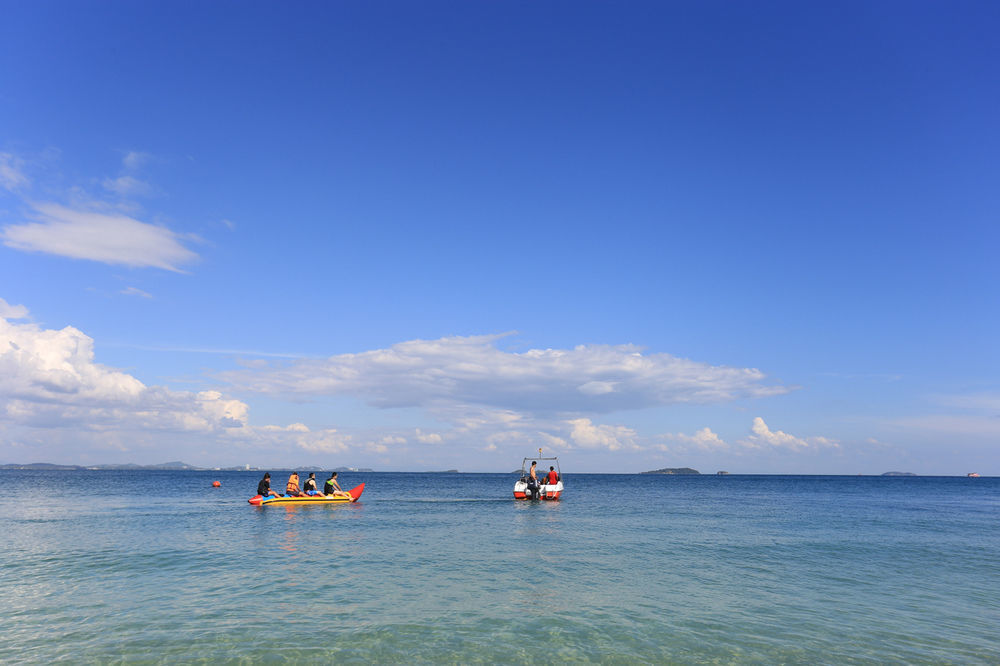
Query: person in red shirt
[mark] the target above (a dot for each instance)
(552, 478)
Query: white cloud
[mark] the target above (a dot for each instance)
(456, 374)
(135, 291)
(553, 441)
(703, 439)
(324, 441)
(50, 381)
(597, 388)
(8, 311)
(294, 427)
(540, 397)
(428, 437)
(588, 435)
(299, 435)
(12, 177)
(128, 186)
(107, 237)
(762, 435)
(48, 378)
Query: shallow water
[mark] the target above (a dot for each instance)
(144, 567)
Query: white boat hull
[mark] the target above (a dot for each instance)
(546, 491)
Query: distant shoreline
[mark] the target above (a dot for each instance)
(184, 467)
(169, 467)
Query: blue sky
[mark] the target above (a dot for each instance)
(758, 237)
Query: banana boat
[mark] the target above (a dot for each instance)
(352, 496)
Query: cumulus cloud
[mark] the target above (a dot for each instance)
(473, 372)
(762, 436)
(49, 378)
(107, 237)
(299, 435)
(8, 311)
(703, 439)
(428, 437)
(588, 435)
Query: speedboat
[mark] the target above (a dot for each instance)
(526, 488)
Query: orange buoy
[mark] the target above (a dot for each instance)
(216, 484)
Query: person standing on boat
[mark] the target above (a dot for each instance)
(331, 487)
(533, 480)
(264, 487)
(552, 478)
(309, 487)
(292, 489)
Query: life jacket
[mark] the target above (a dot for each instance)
(293, 485)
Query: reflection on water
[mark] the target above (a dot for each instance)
(298, 520)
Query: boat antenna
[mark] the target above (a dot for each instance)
(539, 452)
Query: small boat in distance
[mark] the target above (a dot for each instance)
(352, 496)
(524, 488)
(972, 475)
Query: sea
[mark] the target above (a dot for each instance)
(151, 567)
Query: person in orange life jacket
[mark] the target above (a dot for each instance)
(292, 489)
(264, 487)
(552, 478)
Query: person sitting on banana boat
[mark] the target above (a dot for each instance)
(309, 487)
(292, 488)
(331, 487)
(264, 487)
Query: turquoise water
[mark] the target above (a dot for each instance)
(146, 567)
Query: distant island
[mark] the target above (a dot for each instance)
(169, 466)
(55, 467)
(899, 474)
(673, 470)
